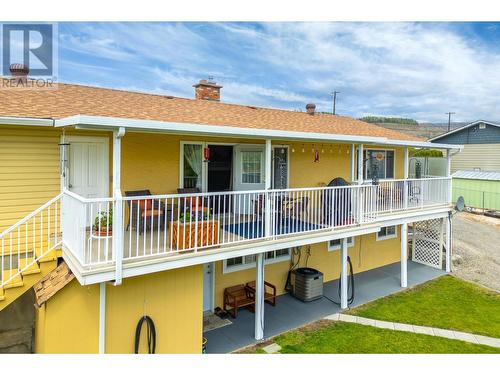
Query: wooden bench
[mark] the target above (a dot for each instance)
(269, 292)
(236, 297)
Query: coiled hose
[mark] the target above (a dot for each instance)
(151, 334)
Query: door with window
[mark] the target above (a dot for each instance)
(249, 167)
(192, 167)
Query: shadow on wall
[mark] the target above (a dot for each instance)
(17, 322)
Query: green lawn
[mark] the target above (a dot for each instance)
(447, 302)
(340, 337)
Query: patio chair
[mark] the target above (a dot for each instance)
(143, 211)
(236, 297)
(189, 203)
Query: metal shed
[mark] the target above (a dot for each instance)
(480, 189)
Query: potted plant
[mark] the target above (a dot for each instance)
(103, 224)
(196, 229)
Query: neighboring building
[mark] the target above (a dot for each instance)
(479, 189)
(70, 159)
(481, 141)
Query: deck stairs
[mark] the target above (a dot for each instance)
(29, 250)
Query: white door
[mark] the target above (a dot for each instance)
(249, 167)
(88, 166)
(208, 287)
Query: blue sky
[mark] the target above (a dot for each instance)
(417, 70)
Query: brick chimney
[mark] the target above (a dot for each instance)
(207, 90)
(311, 108)
(19, 73)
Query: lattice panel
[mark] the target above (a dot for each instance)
(427, 242)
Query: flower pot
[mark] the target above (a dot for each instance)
(190, 235)
(102, 233)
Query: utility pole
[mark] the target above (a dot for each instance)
(449, 119)
(334, 94)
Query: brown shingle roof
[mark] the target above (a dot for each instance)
(69, 99)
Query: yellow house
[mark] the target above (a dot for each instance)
(158, 204)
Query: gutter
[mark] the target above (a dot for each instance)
(6, 120)
(154, 126)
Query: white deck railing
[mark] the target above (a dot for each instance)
(160, 225)
(30, 239)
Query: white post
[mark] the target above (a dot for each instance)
(259, 298)
(117, 239)
(343, 273)
(361, 174)
(448, 174)
(102, 318)
(360, 195)
(404, 255)
(449, 243)
(405, 176)
(353, 162)
(268, 184)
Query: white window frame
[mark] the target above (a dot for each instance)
(365, 170)
(181, 164)
(262, 157)
(337, 247)
(245, 266)
(387, 237)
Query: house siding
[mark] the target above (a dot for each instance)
(69, 321)
(29, 171)
(483, 156)
(473, 135)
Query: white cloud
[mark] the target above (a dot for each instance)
(411, 69)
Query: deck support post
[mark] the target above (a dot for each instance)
(405, 176)
(102, 318)
(117, 239)
(259, 298)
(343, 273)
(449, 242)
(268, 184)
(353, 162)
(404, 255)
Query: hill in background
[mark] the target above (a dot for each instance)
(411, 126)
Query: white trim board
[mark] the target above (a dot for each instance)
(136, 125)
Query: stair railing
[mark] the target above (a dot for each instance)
(30, 239)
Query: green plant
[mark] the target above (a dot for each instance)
(188, 218)
(103, 220)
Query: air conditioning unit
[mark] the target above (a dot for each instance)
(307, 284)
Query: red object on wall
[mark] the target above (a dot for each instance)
(206, 154)
(316, 156)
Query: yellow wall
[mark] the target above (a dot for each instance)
(29, 171)
(69, 321)
(367, 253)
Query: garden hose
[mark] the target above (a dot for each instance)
(151, 334)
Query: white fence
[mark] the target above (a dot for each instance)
(30, 239)
(162, 225)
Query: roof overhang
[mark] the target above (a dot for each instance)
(153, 126)
(5, 120)
(462, 128)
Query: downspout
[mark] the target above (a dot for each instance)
(102, 318)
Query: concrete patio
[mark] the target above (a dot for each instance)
(291, 313)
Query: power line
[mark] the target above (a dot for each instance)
(334, 94)
(449, 119)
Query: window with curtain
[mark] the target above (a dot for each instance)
(251, 167)
(379, 163)
(192, 166)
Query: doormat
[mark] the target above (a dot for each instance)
(212, 321)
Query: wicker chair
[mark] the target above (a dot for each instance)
(144, 211)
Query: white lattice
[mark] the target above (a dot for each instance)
(427, 242)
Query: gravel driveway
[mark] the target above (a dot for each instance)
(476, 249)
